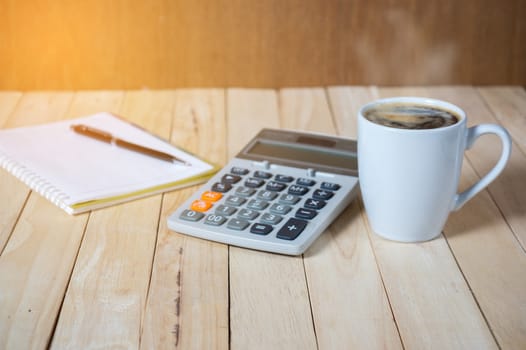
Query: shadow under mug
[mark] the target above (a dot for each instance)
(409, 177)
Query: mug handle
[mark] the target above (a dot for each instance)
(472, 135)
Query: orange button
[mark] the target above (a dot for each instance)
(200, 205)
(211, 196)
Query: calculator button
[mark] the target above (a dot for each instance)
(314, 203)
(253, 182)
(221, 187)
(230, 179)
(322, 194)
(267, 195)
(292, 229)
(305, 182)
(211, 196)
(261, 229)
(289, 199)
(262, 174)
(200, 205)
(298, 190)
(245, 191)
(225, 210)
(235, 201)
(239, 171)
(330, 186)
(237, 224)
(269, 218)
(280, 208)
(275, 186)
(306, 213)
(191, 215)
(214, 219)
(257, 204)
(248, 214)
(284, 178)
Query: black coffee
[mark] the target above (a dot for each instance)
(411, 116)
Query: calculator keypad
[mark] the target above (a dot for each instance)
(256, 202)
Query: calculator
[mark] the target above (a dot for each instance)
(278, 194)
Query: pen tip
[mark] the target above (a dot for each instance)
(181, 162)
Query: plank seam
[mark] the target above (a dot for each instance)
(310, 301)
(471, 292)
(152, 265)
(15, 223)
(496, 120)
(369, 233)
(59, 311)
(331, 110)
(488, 188)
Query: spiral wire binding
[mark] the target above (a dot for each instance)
(34, 181)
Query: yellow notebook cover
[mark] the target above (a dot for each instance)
(79, 174)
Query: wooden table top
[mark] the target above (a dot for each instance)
(118, 278)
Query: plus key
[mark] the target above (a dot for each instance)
(292, 229)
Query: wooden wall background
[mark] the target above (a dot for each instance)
(122, 44)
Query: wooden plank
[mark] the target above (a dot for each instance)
(37, 261)
(34, 272)
(508, 105)
(305, 109)
(39, 107)
(248, 111)
(21, 110)
(90, 102)
(485, 248)
(432, 304)
(12, 193)
(345, 102)
(349, 304)
(269, 304)
(187, 304)
(106, 297)
(8, 102)
(509, 189)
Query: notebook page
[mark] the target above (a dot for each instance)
(87, 169)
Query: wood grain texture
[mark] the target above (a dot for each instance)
(497, 234)
(269, 299)
(349, 305)
(417, 277)
(118, 278)
(115, 260)
(61, 44)
(21, 110)
(187, 305)
(508, 104)
(37, 261)
(509, 189)
(11, 197)
(8, 102)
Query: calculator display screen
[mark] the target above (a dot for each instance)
(304, 153)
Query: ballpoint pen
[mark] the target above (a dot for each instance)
(104, 136)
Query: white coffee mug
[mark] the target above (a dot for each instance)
(409, 177)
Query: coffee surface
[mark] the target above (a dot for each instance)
(411, 116)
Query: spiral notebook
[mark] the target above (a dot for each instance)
(79, 174)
